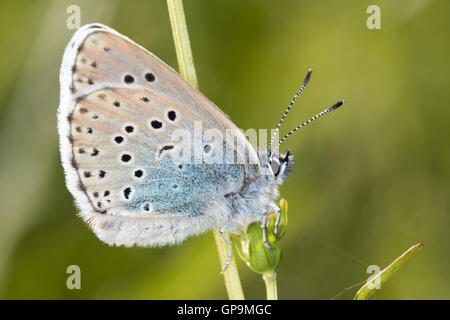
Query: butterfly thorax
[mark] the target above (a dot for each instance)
(258, 191)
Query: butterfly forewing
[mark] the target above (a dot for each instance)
(119, 108)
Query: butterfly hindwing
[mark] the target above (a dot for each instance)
(119, 107)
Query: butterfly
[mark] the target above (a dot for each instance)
(119, 109)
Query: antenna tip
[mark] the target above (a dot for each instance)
(308, 76)
(336, 105)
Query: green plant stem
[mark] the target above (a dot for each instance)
(231, 275)
(270, 279)
(182, 43)
(187, 71)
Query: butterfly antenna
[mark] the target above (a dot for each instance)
(305, 82)
(333, 107)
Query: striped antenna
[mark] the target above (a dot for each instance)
(305, 82)
(333, 107)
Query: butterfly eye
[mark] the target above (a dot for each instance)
(275, 165)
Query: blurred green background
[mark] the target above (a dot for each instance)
(370, 180)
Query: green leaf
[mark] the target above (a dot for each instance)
(369, 288)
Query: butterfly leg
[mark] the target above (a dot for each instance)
(264, 231)
(228, 242)
(277, 222)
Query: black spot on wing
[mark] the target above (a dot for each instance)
(164, 148)
(127, 192)
(128, 79)
(156, 124)
(95, 152)
(150, 77)
(126, 157)
(172, 115)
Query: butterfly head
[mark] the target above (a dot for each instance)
(276, 167)
(281, 165)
